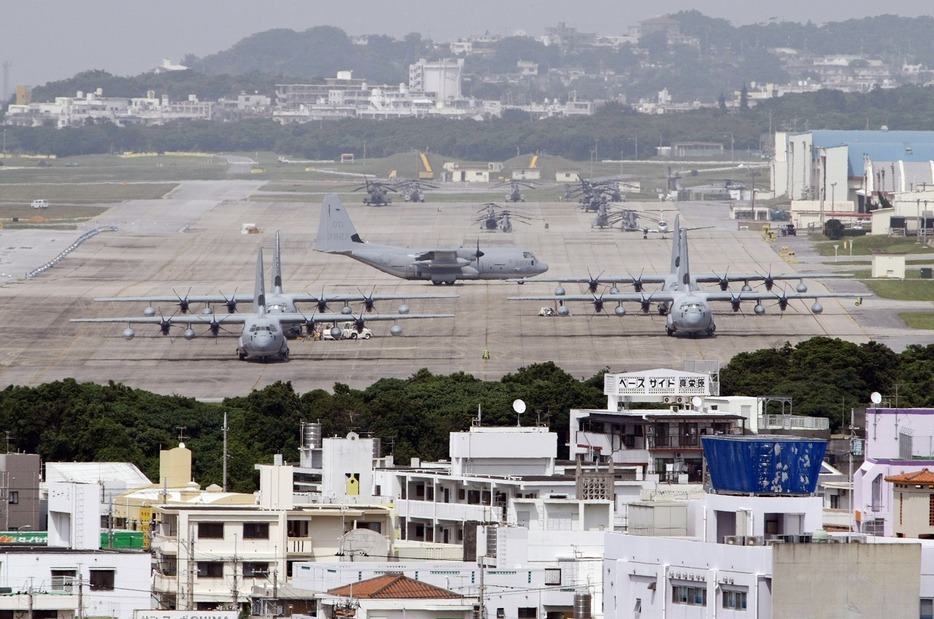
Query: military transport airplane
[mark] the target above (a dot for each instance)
(686, 306)
(337, 235)
(277, 300)
(263, 335)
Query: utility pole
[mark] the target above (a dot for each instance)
(80, 594)
(225, 428)
(192, 566)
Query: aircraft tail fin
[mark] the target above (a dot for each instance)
(277, 267)
(676, 245)
(259, 291)
(684, 267)
(336, 232)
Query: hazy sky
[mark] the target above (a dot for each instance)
(46, 40)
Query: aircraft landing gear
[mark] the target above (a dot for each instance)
(670, 331)
(241, 355)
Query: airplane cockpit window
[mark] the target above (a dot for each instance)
(529, 255)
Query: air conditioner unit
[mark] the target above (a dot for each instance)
(666, 400)
(754, 540)
(732, 540)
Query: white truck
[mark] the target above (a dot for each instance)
(39, 203)
(348, 332)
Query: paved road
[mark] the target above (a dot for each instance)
(192, 238)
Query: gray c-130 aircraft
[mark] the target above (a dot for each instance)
(337, 235)
(685, 305)
(264, 331)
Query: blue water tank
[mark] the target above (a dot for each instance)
(766, 464)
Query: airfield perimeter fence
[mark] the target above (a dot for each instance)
(81, 239)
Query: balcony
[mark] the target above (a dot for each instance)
(456, 512)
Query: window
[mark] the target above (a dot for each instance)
(527, 613)
(14, 497)
(552, 575)
(255, 569)
(734, 599)
(930, 510)
(210, 569)
(62, 580)
(211, 530)
(927, 608)
(102, 580)
(692, 596)
(298, 528)
(255, 530)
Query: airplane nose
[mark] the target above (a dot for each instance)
(541, 267)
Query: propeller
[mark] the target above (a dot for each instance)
(593, 282)
(230, 302)
(724, 282)
(358, 324)
(637, 281)
(368, 303)
(183, 303)
(646, 304)
(598, 304)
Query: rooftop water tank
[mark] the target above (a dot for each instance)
(766, 464)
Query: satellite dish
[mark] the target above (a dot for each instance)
(875, 397)
(518, 406)
(696, 402)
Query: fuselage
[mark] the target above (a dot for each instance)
(262, 338)
(690, 313)
(459, 263)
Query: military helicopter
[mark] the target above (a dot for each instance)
(377, 192)
(515, 190)
(625, 219)
(414, 190)
(495, 217)
(591, 195)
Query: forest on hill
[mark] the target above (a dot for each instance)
(70, 421)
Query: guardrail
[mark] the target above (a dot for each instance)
(81, 239)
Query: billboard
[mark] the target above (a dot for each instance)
(764, 464)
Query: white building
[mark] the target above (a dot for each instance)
(72, 577)
(442, 78)
(898, 441)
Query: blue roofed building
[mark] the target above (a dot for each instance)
(835, 174)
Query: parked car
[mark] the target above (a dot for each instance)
(348, 332)
(40, 203)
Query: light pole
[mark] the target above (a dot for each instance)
(4, 143)
(833, 196)
(732, 143)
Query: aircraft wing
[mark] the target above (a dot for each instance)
(191, 298)
(778, 296)
(714, 278)
(658, 296)
(601, 279)
(239, 319)
(342, 298)
(184, 319)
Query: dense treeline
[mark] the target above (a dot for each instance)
(68, 421)
(613, 132)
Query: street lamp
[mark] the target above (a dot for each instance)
(833, 199)
(732, 142)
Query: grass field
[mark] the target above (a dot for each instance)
(902, 290)
(918, 320)
(870, 245)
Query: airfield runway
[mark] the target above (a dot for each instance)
(192, 239)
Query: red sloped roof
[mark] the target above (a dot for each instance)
(393, 587)
(923, 476)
